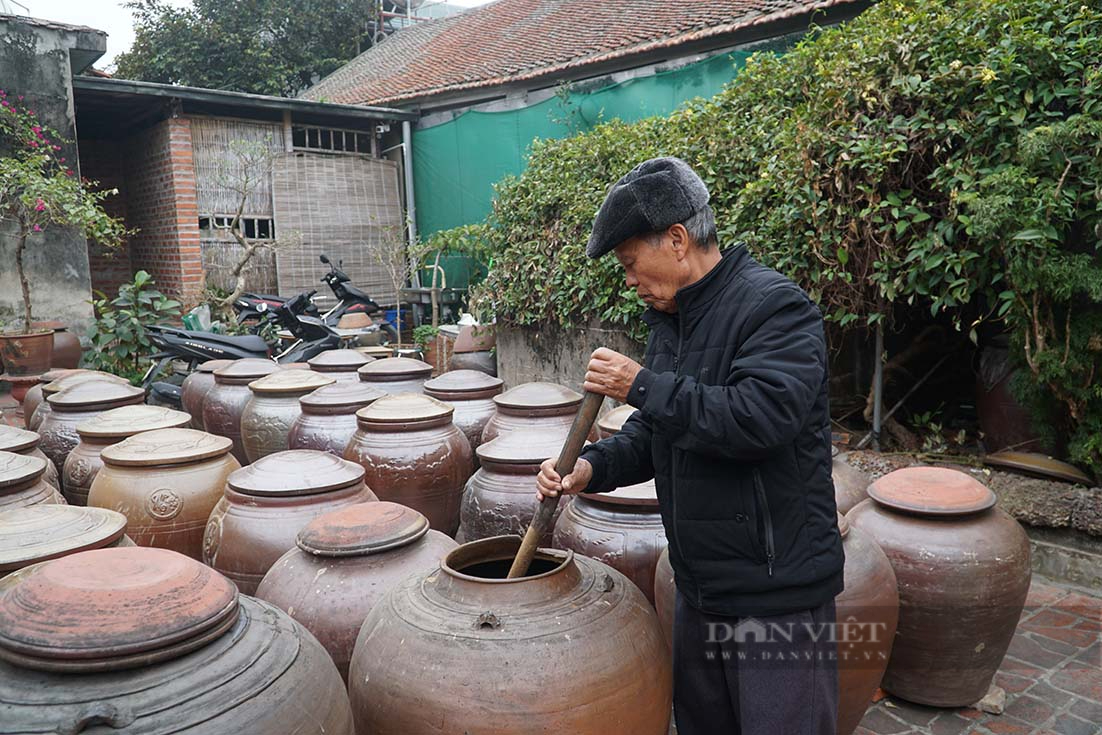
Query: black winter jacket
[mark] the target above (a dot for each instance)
(734, 427)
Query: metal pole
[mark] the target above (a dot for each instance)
(878, 386)
(411, 205)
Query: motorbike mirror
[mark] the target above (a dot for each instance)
(323, 259)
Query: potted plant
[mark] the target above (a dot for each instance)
(39, 190)
(426, 337)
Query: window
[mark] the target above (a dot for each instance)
(330, 139)
(253, 228)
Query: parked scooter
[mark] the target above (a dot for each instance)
(255, 308)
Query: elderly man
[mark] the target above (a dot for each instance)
(733, 425)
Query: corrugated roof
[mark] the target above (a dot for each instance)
(512, 40)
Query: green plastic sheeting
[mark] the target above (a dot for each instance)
(456, 164)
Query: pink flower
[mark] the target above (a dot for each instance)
(68, 172)
(37, 228)
(39, 205)
(61, 159)
(36, 128)
(20, 98)
(32, 143)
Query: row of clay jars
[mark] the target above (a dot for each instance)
(344, 563)
(267, 503)
(146, 640)
(340, 365)
(166, 482)
(267, 418)
(196, 385)
(22, 481)
(73, 406)
(110, 427)
(328, 416)
(23, 441)
(224, 403)
(73, 378)
(37, 533)
(413, 454)
(396, 374)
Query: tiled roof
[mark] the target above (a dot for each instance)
(512, 40)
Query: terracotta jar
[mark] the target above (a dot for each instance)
(266, 504)
(195, 388)
(267, 417)
(963, 571)
(471, 393)
(396, 374)
(571, 648)
(341, 365)
(22, 483)
(345, 562)
(37, 533)
(867, 613)
(73, 378)
(536, 408)
(138, 640)
(166, 482)
(328, 418)
(33, 398)
(665, 594)
(76, 405)
(22, 441)
(413, 454)
(110, 427)
(850, 484)
(225, 402)
(67, 351)
(500, 498)
(614, 420)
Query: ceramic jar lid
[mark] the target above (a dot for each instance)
(614, 420)
(295, 472)
(538, 395)
(362, 529)
(18, 469)
(405, 408)
(642, 495)
(514, 447)
(1038, 465)
(36, 533)
(166, 447)
(289, 382)
(91, 395)
(80, 376)
(211, 365)
(457, 383)
(110, 609)
(14, 439)
(340, 398)
(125, 421)
(57, 373)
(936, 491)
(391, 369)
(244, 371)
(339, 361)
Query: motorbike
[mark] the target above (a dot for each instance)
(254, 308)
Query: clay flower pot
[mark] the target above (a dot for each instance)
(72, 378)
(396, 374)
(26, 353)
(195, 388)
(75, 405)
(21, 441)
(267, 418)
(471, 393)
(328, 418)
(22, 483)
(225, 402)
(37, 533)
(535, 408)
(341, 365)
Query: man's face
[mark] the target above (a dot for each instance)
(654, 269)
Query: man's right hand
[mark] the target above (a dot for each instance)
(550, 485)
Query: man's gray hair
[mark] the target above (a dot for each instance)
(701, 226)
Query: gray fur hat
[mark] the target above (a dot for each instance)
(652, 196)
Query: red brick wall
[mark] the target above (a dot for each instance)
(103, 161)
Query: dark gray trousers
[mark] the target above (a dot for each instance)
(771, 675)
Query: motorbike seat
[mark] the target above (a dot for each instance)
(248, 342)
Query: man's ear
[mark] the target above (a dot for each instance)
(679, 240)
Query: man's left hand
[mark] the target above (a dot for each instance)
(611, 374)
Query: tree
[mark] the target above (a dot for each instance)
(276, 47)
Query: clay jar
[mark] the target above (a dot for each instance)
(601, 667)
(500, 498)
(867, 614)
(66, 353)
(471, 393)
(166, 482)
(665, 594)
(69, 380)
(34, 398)
(195, 388)
(413, 454)
(963, 572)
(76, 405)
(266, 504)
(21, 441)
(850, 484)
(345, 562)
(613, 421)
(536, 408)
(22, 483)
(267, 417)
(138, 640)
(224, 403)
(110, 427)
(328, 418)
(396, 374)
(37, 533)
(340, 365)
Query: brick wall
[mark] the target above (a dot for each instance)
(103, 161)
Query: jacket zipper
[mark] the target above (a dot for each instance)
(767, 521)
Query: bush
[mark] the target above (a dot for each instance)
(120, 344)
(942, 154)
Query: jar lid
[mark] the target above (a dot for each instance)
(287, 382)
(295, 472)
(394, 368)
(341, 395)
(463, 381)
(110, 609)
(57, 373)
(642, 495)
(95, 394)
(36, 533)
(16, 469)
(77, 378)
(1038, 465)
(244, 370)
(362, 529)
(166, 447)
(404, 408)
(843, 525)
(538, 395)
(521, 447)
(211, 365)
(936, 491)
(129, 420)
(614, 420)
(339, 361)
(14, 439)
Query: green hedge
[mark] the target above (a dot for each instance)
(941, 154)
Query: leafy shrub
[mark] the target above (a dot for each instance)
(120, 344)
